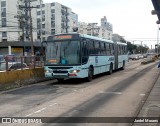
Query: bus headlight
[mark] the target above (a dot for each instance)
(48, 71)
(74, 71)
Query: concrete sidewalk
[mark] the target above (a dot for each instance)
(151, 107)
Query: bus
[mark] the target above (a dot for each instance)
(77, 55)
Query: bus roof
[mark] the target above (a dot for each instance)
(95, 38)
(121, 43)
(87, 36)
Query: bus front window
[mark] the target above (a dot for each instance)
(63, 52)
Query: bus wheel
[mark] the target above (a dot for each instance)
(90, 74)
(60, 80)
(123, 67)
(111, 69)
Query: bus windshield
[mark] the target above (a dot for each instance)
(63, 52)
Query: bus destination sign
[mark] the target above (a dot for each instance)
(63, 37)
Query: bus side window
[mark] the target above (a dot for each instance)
(107, 49)
(112, 49)
(97, 48)
(85, 51)
(91, 47)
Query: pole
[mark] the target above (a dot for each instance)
(41, 21)
(31, 34)
(157, 38)
(141, 47)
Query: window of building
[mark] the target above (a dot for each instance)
(52, 24)
(3, 3)
(52, 31)
(43, 25)
(43, 5)
(52, 4)
(3, 14)
(38, 6)
(38, 13)
(38, 20)
(4, 22)
(4, 34)
(52, 10)
(43, 12)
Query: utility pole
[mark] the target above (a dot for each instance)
(41, 21)
(31, 34)
(28, 21)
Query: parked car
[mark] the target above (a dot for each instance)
(135, 57)
(13, 66)
(140, 56)
(145, 55)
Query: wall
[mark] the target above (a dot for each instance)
(12, 79)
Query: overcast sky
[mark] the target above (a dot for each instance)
(130, 18)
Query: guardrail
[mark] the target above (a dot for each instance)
(20, 63)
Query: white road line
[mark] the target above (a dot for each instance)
(142, 94)
(103, 92)
(53, 104)
(40, 110)
(36, 112)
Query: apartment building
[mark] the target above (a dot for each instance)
(56, 18)
(107, 26)
(9, 25)
(95, 30)
(47, 19)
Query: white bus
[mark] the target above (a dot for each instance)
(82, 56)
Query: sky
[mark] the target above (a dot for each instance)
(130, 18)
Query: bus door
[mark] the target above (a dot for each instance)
(84, 51)
(116, 55)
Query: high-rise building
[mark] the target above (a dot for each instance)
(94, 30)
(105, 24)
(47, 19)
(56, 18)
(9, 25)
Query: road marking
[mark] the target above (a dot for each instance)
(53, 104)
(142, 94)
(103, 92)
(40, 110)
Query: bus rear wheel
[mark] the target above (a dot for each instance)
(123, 67)
(110, 69)
(90, 74)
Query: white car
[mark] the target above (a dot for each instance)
(12, 66)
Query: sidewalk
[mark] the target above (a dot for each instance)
(151, 107)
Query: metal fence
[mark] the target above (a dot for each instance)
(18, 63)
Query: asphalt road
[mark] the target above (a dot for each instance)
(121, 94)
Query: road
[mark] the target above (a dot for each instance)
(121, 94)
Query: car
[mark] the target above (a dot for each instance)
(13, 66)
(140, 56)
(135, 57)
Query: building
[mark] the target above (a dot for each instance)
(107, 26)
(9, 30)
(56, 18)
(47, 19)
(94, 30)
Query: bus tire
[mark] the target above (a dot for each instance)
(110, 69)
(60, 80)
(123, 67)
(90, 74)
